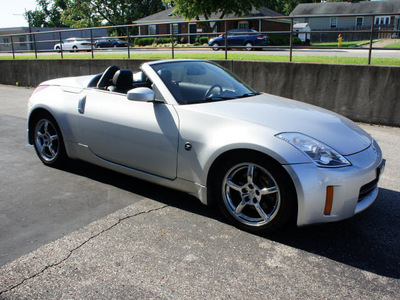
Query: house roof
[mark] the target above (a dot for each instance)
(344, 8)
(166, 15)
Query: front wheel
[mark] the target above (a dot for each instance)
(215, 46)
(254, 194)
(248, 46)
(48, 142)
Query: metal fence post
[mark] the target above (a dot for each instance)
(172, 40)
(371, 40)
(128, 38)
(291, 39)
(34, 44)
(91, 42)
(61, 47)
(12, 47)
(226, 41)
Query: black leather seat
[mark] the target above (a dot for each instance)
(122, 82)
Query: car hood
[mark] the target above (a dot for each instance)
(285, 115)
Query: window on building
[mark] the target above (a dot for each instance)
(334, 22)
(6, 42)
(22, 41)
(359, 21)
(385, 20)
(175, 28)
(152, 29)
(243, 25)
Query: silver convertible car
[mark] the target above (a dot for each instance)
(194, 126)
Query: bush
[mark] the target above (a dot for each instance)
(278, 40)
(296, 40)
(144, 41)
(203, 40)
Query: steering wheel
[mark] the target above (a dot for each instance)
(105, 78)
(209, 91)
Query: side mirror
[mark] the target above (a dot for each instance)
(141, 94)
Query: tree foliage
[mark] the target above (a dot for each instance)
(91, 13)
(47, 14)
(197, 9)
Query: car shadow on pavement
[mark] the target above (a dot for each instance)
(369, 241)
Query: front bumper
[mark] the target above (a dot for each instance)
(355, 187)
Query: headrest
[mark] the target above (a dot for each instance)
(123, 78)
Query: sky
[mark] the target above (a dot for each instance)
(11, 12)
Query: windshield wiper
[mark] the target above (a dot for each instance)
(217, 98)
(249, 95)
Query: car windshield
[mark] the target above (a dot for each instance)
(199, 82)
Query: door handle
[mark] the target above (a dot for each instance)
(81, 105)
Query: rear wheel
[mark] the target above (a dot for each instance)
(48, 141)
(75, 48)
(254, 193)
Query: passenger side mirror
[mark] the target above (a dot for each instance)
(141, 94)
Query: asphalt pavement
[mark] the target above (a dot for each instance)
(89, 233)
(338, 52)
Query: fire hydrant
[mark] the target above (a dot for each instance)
(340, 40)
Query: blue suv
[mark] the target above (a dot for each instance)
(247, 38)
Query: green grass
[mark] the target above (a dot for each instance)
(221, 55)
(344, 44)
(394, 45)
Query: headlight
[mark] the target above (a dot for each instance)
(321, 154)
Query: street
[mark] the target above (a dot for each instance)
(86, 232)
(339, 52)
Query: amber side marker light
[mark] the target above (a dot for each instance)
(329, 200)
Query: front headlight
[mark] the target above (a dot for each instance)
(321, 154)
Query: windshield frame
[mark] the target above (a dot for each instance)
(177, 88)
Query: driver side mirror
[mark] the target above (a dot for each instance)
(141, 94)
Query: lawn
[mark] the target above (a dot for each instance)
(394, 45)
(349, 44)
(255, 56)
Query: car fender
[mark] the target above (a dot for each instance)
(204, 138)
(62, 106)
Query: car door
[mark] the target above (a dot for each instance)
(235, 39)
(134, 134)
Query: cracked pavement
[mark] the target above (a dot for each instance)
(65, 249)
(120, 238)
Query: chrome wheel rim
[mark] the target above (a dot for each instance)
(249, 46)
(47, 140)
(215, 46)
(251, 194)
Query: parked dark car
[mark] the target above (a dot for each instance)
(247, 38)
(109, 43)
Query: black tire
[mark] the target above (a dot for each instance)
(248, 46)
(75, 49)
(48, 141)
(215, 46)
(254, 193)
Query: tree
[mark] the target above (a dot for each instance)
(195, 9)
(48, 13)
(83, 13)
(90, 13)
